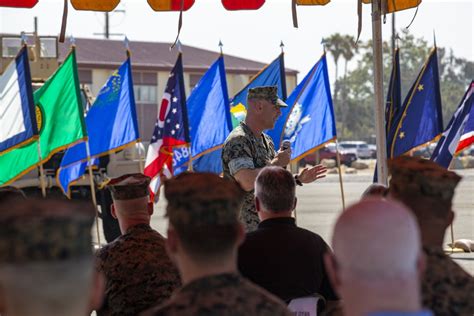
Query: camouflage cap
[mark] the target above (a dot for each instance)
(45, 230)
(269, 93)
(415, 176)
(129, 186)
(202, 199)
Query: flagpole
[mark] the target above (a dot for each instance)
(43, 185)
(91, 183)
(452, 238)
(378, 93)
(341, 186)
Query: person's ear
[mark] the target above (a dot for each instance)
(97, 292)
(150, 208)
(450, 218)
(257, 205)
(172, 243)
(112, 211)
(240, 234)
(330, 264)
(421, 266)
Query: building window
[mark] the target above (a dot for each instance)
(145, 94)
(10, 47)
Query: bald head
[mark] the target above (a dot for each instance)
(377, 239)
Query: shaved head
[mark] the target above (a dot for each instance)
(377, 239)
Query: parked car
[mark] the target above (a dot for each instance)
(359, 148)
(329, 152)
(373, 150)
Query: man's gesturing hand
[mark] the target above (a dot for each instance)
(308, 175)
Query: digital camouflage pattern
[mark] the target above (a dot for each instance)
(45, 230)
(221, 295)
(202, 200)
(243, 150)
(269, 93)
(138, 272)
(416, 176)
(129, 186)
(446, 288)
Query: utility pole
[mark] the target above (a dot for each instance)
(106, 32)
(106, 28)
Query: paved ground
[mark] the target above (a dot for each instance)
(320, 203)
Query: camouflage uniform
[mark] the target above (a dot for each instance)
(138, 271)
(244, 150)
(446, 288)
(137, 268)
(221, 295)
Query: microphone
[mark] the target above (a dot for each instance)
(285, 145)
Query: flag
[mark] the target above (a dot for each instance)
(17, 109)
(394, 94)
(271, 75)
(60, 120)
(111, 126)
(311, 122)
(420, 119)
(171, 128)
(209, 118)
(460, 131)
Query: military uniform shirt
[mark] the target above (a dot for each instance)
(243, 150)
(138, 272)
(221, 295)
(446, 288)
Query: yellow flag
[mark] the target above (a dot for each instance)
(390, 6)
(312, 2)
(94, 5)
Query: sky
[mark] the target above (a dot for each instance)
(254, 34)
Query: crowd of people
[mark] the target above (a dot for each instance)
(232, 246)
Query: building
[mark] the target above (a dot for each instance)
(151, 64)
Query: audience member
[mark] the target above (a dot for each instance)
(428, 190)
(46, 261)
(377, 261)
(279, 256)
(9, 193)
(375, 190)
(203, 237)
(138, 271)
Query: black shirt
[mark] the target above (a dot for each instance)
(286, 260)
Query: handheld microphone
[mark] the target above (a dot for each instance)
(285, 145)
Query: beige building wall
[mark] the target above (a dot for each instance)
(99, 78)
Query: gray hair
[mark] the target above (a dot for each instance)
(275, 188)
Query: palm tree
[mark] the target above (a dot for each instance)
(349, 49)
(334, 45)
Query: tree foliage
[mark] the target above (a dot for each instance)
(353, 90)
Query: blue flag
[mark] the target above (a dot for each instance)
(272, 75)
(17, 109)
(460, 131)
(111, 125)
(311, 123)
(420, 119)
(209, 118)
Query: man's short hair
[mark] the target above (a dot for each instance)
(11, 193)
(275, 188)
(203, 208)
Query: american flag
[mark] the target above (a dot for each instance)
(171, 129)
(460, 132)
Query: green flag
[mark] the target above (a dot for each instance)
(60, 120)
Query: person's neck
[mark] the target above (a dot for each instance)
(125, 224)
(251, 123)
(432, 237)
(364, 300)
(191, 270)
(264, 215)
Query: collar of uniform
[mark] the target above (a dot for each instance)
(138, 228)
(212, 282)
(279, 221)
(247, 129)
(434, 251)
